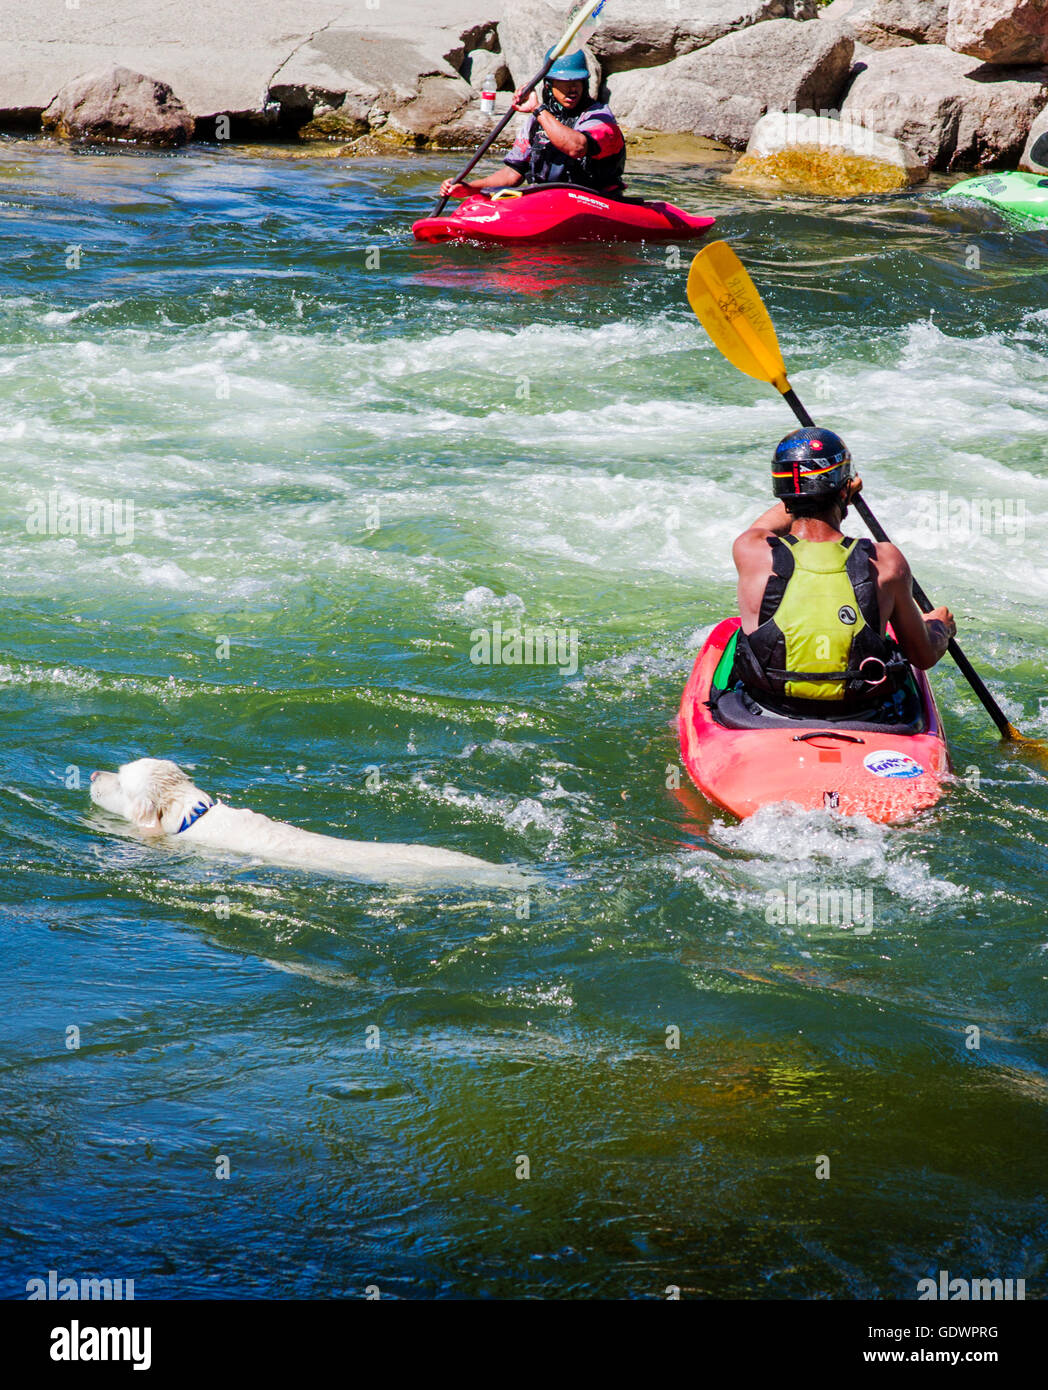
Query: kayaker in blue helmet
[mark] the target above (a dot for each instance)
(570, 138)
(815, 604)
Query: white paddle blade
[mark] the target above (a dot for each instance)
(582, 27)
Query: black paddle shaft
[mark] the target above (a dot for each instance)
(441, 203)
(924, 603)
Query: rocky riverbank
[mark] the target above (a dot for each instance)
(953, 83)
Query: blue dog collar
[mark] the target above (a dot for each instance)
(198, 810)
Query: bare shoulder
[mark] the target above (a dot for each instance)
(753, 540)
(751, 550)
(891, 563)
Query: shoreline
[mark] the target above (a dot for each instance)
(964, 91)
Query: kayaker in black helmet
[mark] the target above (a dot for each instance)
(815, 604)
(570, 138)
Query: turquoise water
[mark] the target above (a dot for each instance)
(345, 453)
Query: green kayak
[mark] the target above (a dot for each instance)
(1023, 196)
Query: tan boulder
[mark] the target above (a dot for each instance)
(118, 104)
(818, 154)
(1000, 31)
(896, 23)
(952, 110)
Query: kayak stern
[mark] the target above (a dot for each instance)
(886, 776)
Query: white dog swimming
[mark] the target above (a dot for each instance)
(158, 798)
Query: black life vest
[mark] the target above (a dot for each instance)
(547, 164)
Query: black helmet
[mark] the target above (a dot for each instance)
(809, 466)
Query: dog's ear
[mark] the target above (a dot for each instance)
(145, 814)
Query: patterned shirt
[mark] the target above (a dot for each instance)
(536, 157)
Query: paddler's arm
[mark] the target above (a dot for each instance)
(776, 521)
(501, 178)
(752, 556)
(570, 142)
(923, 637)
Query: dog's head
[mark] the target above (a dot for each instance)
(156, 796)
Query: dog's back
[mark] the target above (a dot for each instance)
(247, 832)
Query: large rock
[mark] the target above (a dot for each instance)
(528, 30)
(647, 33)
(374, 85)
(722, 91)
(222, 56)
(817, 154)
(895, 23)
(482, 63)
(952, 110)
(1000, 31)
(118, 104)
(1035, 155)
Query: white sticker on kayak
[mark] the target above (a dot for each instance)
(886, 762)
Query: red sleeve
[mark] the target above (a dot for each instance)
(604, 137)
(519, 157)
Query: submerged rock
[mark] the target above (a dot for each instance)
(817, 154)
(952, 110)
(118, 104)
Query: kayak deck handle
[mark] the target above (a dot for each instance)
(828, 733)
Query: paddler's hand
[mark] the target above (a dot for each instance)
(854, 486)
(450, 189)
(943, 616)
(526, 104)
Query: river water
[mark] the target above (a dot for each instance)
(345, 453)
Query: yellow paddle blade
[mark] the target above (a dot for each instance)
(1028, 747)
(728, 306)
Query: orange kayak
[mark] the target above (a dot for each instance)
(745, 757)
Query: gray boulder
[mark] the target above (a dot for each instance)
(118, 104)
(1000, 31)
(388, 87)
(721, 91)
(528, 30)
(951, 109)
(647, 33)
(895, 23)
(1035, 155)
(480, 64)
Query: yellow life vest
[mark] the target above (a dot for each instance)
(819, 625)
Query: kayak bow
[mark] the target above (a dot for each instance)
(1021, 197)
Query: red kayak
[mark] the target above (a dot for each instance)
(743, 757)
(560, 213)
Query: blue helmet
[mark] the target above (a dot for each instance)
(569, 66)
